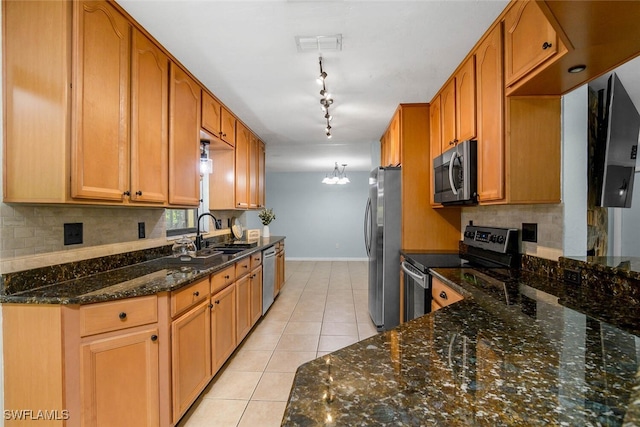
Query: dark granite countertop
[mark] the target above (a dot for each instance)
(543, 353)
(144, 278)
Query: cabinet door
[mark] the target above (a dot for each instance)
(36, 100)
(261, 174)
(394, 139)
(448, 115)
(529, 40)
(256, 294)
(100, 112)
(243, 308)
(435, 139)
(243, 141)
(119, 380)
(190, 357)
(184, 139)
(211, 110)
(223, 326)
(254, 152)
(466, 100)
(384, 149)
(228, 127)
(490, 90)
(149, 121)
(222, 190)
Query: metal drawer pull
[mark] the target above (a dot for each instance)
(196, 294)
(154, 338)
(443, 295)
(122, 315)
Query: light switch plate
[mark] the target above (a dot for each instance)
(529, 232)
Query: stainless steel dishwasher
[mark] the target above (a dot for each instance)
(268, 277)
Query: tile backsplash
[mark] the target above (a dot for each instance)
(548, 217)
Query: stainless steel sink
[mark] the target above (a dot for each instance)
(203, 258)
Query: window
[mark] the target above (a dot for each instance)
(180, 221)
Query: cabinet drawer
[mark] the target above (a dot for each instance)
(444, 295)
(189, 296)
(243, 266)
(115, 315)
(256, 259)
(223, 278)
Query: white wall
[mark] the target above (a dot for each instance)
(575, 128)
(320, 221)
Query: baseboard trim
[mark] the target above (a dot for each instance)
(325, 259)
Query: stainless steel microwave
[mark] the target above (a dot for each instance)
(455, 175)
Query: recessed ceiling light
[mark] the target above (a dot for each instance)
(577, 69)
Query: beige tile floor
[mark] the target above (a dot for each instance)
(322, 308)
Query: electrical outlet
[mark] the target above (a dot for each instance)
(73, 233)
(529, 232)
(141, 231)
(572, 276)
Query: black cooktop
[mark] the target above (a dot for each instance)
(424, 260)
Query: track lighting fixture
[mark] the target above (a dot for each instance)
(326, 99)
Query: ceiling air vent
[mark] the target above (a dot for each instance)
(319, 43)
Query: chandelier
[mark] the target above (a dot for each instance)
(336, 176)
(325, 99)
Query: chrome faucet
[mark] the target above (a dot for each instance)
(198, 236)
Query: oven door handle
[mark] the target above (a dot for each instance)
(453, 185)
(420, 278)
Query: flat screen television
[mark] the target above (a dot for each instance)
(619, 129)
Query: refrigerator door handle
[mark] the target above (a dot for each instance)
(367, 228)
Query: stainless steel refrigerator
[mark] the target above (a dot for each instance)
(382, 241)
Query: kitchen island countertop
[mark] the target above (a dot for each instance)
(551, 354)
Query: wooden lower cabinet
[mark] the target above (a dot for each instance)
(279, 268)
(119, 380)
(243, 307)
(223, 326)
(190, 357)
(256, 294)
(442, 294)
(135, 362)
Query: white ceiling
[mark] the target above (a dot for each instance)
(245, 53)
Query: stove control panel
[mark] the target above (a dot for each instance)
(503, 240)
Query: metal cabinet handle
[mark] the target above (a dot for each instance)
(227, 277)
(138, 193)
(196, 294)
(154, 337)
(126, 193)
(122, 315)
(217, 301)
(546, 45)
(443, 295)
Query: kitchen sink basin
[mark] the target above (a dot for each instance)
(203, 258)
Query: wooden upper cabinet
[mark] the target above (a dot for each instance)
(222, 189)
(435, 139)
(149, 121)
(184, 139)
(390, 143)
(253, 172)
(466, 100)
(228, 127)
(448, 115)
(100, 124)
(490, 109)
(261, 174)
(217, 120)
(211, 111)
(529, 40)
(243, 142)
(36, 100)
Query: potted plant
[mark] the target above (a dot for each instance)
(266, 216)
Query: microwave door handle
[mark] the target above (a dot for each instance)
(453, 185)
